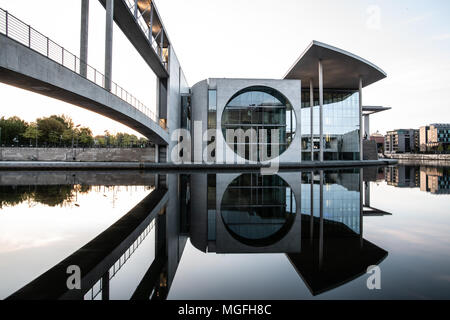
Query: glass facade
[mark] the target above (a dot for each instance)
(341, 128)
(341, 198)
(268, 114)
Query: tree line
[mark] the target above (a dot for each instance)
(61, 132)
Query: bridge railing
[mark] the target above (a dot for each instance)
(23, 33)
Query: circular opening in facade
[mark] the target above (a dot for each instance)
(259, 123)
(258, 210)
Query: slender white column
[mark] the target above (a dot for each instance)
(361, 134)
(361, 206)
(109, 43)
(321, 108)
(311, 103)
(84, 37)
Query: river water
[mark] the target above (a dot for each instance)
(295, 235)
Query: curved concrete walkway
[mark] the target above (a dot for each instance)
(27, 69)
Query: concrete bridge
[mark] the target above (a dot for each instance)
(32, 61)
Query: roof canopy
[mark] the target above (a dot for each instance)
(367, 110)
(341, 69)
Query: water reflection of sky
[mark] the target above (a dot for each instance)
(34, 237)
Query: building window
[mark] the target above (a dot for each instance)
(340, 124)
(263, 122)
(212, 109)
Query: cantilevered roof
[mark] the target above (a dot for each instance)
(374, 109)
(341, 69)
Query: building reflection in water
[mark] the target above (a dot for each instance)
(315, 218)
(435, 180)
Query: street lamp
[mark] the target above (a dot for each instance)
(73, 150)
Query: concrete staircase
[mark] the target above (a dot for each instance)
(370, 150)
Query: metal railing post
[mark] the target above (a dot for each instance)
(29, 36)
(48, 47)
(6, 26)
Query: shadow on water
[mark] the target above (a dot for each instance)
(314, 217)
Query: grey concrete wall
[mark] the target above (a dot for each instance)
(90, 178)
(226, 88)
(29, 70)
(199, 113)
(177, 85)
(88, 154)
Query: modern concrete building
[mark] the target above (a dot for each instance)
(314, 112)
(434, 136)
(401, 141)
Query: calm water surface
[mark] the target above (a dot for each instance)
(296, 235)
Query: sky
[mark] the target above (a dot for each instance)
(408, 39)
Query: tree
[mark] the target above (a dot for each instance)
(440, 148)
(51, 130)
(32, 133)
(85, 137)
(11, 129)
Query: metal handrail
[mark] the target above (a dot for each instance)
(147, 32)
(23, 33)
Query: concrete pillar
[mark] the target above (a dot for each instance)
(367, 126)
(109, 43)
(311, 103)
(321, 108)
(361, 135)
(361, 206)
(150, 31)
(105, 286)
(84, 37)
(136, 10)
(367, 194)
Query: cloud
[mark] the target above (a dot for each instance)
(441, 37)
(417, 19)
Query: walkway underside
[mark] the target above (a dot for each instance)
(24, 68)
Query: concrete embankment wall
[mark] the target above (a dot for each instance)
(81, 155)
(429, 159)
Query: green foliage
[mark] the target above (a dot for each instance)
(12, 130)
(60, 131)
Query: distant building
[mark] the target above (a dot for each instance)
(401, 141)
(433, 136)
(403, 177)
(379, 139)
(435, 180)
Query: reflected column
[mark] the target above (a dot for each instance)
(311, 103)
(361, 156)
(321, 108)
(321, 222)
(311, 223)
(105, 286)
